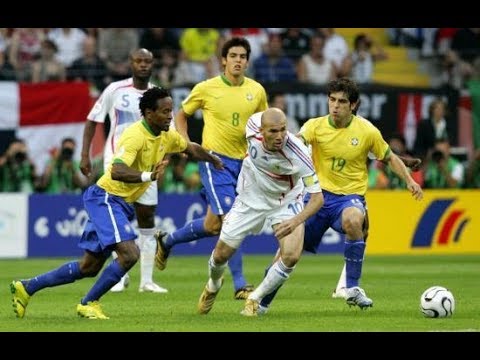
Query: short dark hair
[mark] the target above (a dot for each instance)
(69, 139)
(236, 41)
(346, 85)
(150, 97)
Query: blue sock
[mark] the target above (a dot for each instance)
(354, 251)
(109, 277)
(235, 263)
(65, 274)
(192, 231)
(269, 298)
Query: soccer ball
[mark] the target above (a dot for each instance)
(437, 302)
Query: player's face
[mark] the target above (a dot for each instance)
(339, 107)
(236, 61)
(142, 64)
(161, 118)
(274, 134)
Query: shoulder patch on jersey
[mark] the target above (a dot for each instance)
(310, 180)
(96, 108)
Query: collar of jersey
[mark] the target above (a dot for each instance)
(332, 123)
(226, 81)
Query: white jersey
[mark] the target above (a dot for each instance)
(269, 179)
(120, 100)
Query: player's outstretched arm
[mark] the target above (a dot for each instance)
(399, 168)
(200, 154)
(286, 227)
(123, 172)
(411, 162)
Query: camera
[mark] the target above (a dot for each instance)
(437, 156)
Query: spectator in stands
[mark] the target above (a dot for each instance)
(454, 71)
(436, 127)
(473, 171)
(314, 68)
(69, 42)
(180, 176)
(172, 180)
(199, 49)
(466, 43)
(191, 177)
(62, 174)
(442, 170)
(377, 179)
(25, 45)
(7, 72)
(47, 67)
(273, 66)
(90, 67)
(360, 63)
(159, 41)
(115, 45)
(17, 171)
(295, 43)
(443, 39)
(398, 145)
(335, 49)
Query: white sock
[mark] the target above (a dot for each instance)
(215, 271)
(342, 281)
(147, 244)
(276, 276)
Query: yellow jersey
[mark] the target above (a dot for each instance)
(226, 110)
(140, 149)
(340, 154)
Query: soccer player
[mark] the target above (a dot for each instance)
(227, 101)
(274, 175)
(120, 102)
(137, 162)
(341, 142)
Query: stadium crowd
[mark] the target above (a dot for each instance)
(185, 56)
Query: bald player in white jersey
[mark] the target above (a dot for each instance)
(120, 101)
(273, 178)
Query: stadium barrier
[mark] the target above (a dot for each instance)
(445, 222)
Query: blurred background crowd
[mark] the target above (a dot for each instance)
(415, 57)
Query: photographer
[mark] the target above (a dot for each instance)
(62, 174)
(17, 172)
(442, 170)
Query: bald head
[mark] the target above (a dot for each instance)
(141, 63)
(136, 53)
(273, 117)
(273, 128)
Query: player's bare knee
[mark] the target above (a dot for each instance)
(290, 259)
(129, 259)
(220, 256)
(90, 269)
(352, 224)
(213, 228)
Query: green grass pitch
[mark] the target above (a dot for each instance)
(304, 304)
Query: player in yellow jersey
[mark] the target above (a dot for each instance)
(137, 161)
(227, 101)
(341, 142)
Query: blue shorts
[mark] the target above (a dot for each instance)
(108, 223)
(219, 185)
(330, 215)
